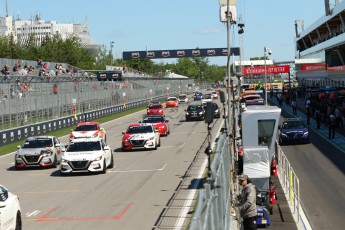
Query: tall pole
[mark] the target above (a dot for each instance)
(111, 53)
(265, 80)
(228, 25)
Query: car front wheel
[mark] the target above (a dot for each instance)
(104, 171)
(18, 221)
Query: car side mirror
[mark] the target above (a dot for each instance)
(279, 127)
(101, 129)
(166, 120)
(71, 130)
(156, 131)
(57, 145)
(123, 132)
(106, 148)
(18, 147)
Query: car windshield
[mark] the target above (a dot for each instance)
(139, 129)
(182, 97)
(155, 106)
(208, 96)
(294, 125)
(171, 99)
(215, 106)
(153, 119)
(194, 107)
(90, 127)
(38, 143)
(84, 146)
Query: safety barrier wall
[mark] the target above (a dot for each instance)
(214, 200)
(75, 96)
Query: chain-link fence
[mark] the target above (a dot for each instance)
(30, 99)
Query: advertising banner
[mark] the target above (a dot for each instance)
(184, 53)
(257, 70)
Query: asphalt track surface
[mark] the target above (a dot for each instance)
(130, 196)
(320, 167)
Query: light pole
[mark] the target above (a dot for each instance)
(111, 53)
(269, 52)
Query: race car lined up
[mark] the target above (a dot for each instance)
(195, 112)
(160, 123)
(140, 136)
(87, 130)
(39, 151)
(182, 98)
(155, 109)
(86, 155)
(10, 212)
(171, 102)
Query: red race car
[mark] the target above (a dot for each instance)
(160, 123)
(171, 102)
(140, 136)
(155, 109)
(88, 129)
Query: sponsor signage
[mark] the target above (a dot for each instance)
(109, 75)
(188, 53)
(269, 70)
(313, 66)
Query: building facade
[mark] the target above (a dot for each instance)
(40, 29)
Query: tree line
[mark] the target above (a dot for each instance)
(70, 50)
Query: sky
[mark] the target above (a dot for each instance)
(137, 25)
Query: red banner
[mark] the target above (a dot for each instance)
(269, 70)
(313, 66)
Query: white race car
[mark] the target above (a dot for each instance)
(207, 98)
(182, 98)
(87, 155)
(10, 212)
(141, 136)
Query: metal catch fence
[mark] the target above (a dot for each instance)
(30, 99)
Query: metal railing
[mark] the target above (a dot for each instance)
(289, 182)
(29, 99)
(214, 200)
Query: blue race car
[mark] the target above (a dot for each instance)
(293, 131)
(198, 97)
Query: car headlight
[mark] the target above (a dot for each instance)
(187, 113)
(201, 113)
(161, 127)
(151, 138)
(98, 158)
(306, 134)
(216, 111)
(64, 161)
(46, 153)
(19, 156)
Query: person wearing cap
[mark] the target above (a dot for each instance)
(247, 203)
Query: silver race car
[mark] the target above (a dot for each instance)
(39, 151)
